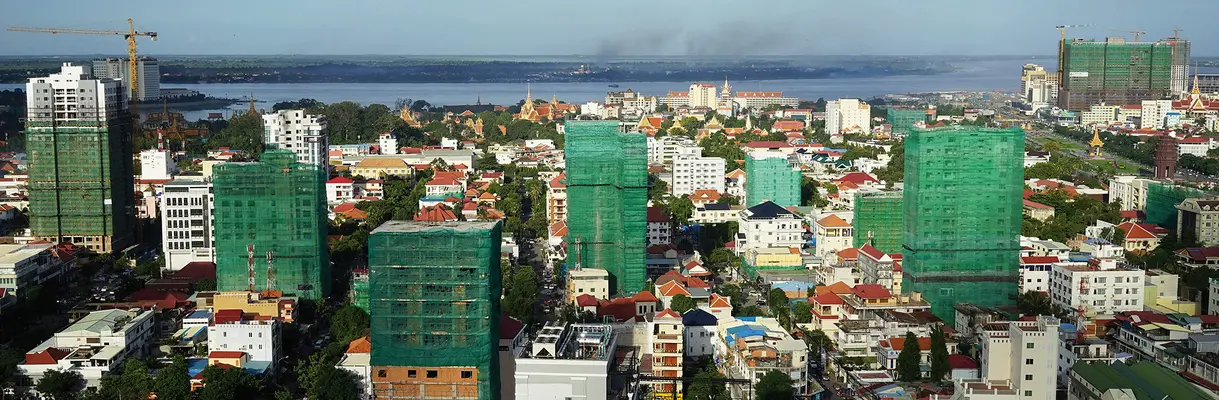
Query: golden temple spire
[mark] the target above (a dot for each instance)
(1195, 90)
(1096, 144)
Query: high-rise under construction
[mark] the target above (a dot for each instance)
(607, 196)
(78, 140)
(1117, 72)
(434, 299)
(962, 215)
(770, 177)
(878, 220)
(270, 224)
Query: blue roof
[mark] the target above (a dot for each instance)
(748, 319)
(698, 317)
(200, 314)
(790, 286)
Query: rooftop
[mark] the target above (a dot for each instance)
(413, 226)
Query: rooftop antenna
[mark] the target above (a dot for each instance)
(249, 249)
(270, 271)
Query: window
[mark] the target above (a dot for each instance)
(411, 374)
(1028, 377)
(1028, 361)
(467, 374)
(1028, 345)
(382, 373)
(431, 373)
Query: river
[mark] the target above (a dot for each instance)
(970, 76)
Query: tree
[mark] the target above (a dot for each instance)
(243, 132)
(776, 299)
(909, 358)
(226, 383)
(818, 340)
(335, 383)
(309, 371)
(9, 359)
(681, 303)
(939, 354)
(349, 323)
(136, 380)
(680, 209)
(802, 312)
(1034, 303)
(522, 294)
(205, 285)
(703, 387)
(173, 381)
(60, 385)
(775, 385)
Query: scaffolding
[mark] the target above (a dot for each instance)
(607, 195)
(276, 205)
(878, 218)
(902, 119)
(435, 299)
(80, 182)
(1116, 72)
(1162, 201)
(962, 215)
(770, 177)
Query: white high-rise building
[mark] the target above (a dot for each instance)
(1099, 287)
(388, 143)
(148, 70)
(303, 134)
(1024, 353)
(1154, 113)
(187, 232)
(847, 115)
(697, 173)
(703, 95)
(666, 149)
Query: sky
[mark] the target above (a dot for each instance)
(618, 27)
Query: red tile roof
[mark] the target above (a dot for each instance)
(871, 252)
(858, 178)
(362, 345)
(226, 354)
(1038, 260)
(1199, 254)
(897, 344)
(509, 327)
(46, 357)
(787, 126)
(1136, 231)
(645, 296)
(586, 300)
(1033, 204)
(872, 291)
(226, 316)
(828, 298)
(705, 195)
(436, 213)
(557, 182)
(850, 253)
(340, 180)
(961, 361)
(766, 145)
(672, 288)
(667, 313)
(718, 301)
(658, 215)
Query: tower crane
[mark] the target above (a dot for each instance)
(1136, 33)
(132, 64)
(1062, 46)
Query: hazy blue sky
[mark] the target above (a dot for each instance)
(535, 27)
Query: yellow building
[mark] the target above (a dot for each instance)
(379, 167)
(267, 304)
(773, 257)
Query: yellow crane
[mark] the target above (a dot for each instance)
(1137, 33)
(1062, 46)
(132, 65)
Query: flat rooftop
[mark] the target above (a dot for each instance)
(421, 226)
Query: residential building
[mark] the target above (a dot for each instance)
(1196, 146)
(1120, 73)
(761, 100)
(878, 220)
(666, 149)
(702, 95)
(607, 185)
(962, 204)
(878, 268)
(556, 199)
(157, 165)
(691, 174)
(587, 281)
(419, 271)
(771, 178)
(832, 234)
(388, 143)
(1035, 273)
(573, 361)
(667, 348)
(847, 116)
(754, 346)
(1037, 211)
(148, 75)
(264, 305)
(23, 266)
(769, 225)
(356, 361)
(1130, 191)
(78, 140)
(1024, 353)
(660, 227)
(1138, 380)
(93, 346)
(1213, 290)
(298, 132)
(887, 351)
(734, 183)
(1199, 217)
(340, 189)
(701, 197)
(715, 213)
(259, 338)
(1099, 114)
(1096, 287)
(274, 207)
(1198, 257)
(700, 333)
(188, 232)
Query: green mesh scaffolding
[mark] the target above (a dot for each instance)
(278, 206)
(902, 120)
(878, 216)
(435, 297)
(1124, 73)
(607, 195)
(962, 215)
(769, 177)
(80, 179)
(359, 292)
(1162, 201)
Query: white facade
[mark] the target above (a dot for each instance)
(660, 233)
(847, 115)
(1099, 115)
(1153, 113)
(666, 149)
(388, 143)
(95, 345)
(303, 134)
(187, 232)
(148, 72)
(157, 164)
(701, 340)
(1024, 353)
(1213, 307)
(26, 265)
(697, 173)
(832, 235)
(715, 213)
(592, 108)
(258, 338)
(73, 95)
(1104, 290)
(1130, 191)
(784, 230)
(340, 189)
(590, 281)
(760, 100)
(549, 369)
(702, 95)
(1194, 147)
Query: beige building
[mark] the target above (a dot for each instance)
(832, 234)
(269, 304)
(1038, 211)
(380, 167)
(667, 350)
(556, 199)
(590, 281)
(847, 115)
(1024, 353)
(1199, 216)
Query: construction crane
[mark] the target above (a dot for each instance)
(132, 64)
(1136, 33)
(1062, 46)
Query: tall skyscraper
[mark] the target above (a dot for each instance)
(770, 177)
(301, 133)
(847, 115)
(962, 205)
(278, 206)
(78, 140)
(149, 78)
(1117, 72)
(434, 291)
(878, 219)
(607, 195)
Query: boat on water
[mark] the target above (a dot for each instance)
(613, 85)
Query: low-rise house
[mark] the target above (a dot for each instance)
(831, 234)
(715, 213)
(769, 225)
(93, 346)
(753, 346)
(1037, 211)
(1198, 257)
(24, 266)
(1138, 380)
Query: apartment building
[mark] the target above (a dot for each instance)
(187, 230)
(23, 266)
(831, 234)
(753, 346)
(93, 346)
(300, 133)
(556, 199)
(691, 174)
(1129, 191)
(847, 115)
(660, 227)
(148, 75)
(1098, 287)
(768, 225)
(665, 342)
(1199, 217)
(259, 338)
(1024, 353)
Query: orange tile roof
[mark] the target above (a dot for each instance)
(226, 354)
(361, 345)
(736, 174)
(871, 291)
(849, 254)
(828, 298)
(672, 288)
(899, 343)
(645, 296)
(557, 182)
(833, 221)
(1136, 231)
(705, 195)
(668, 313)
(836, 288)
(718, 301)
(436, 213)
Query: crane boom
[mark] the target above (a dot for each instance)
(132, 60)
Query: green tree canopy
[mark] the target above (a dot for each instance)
(173, 381)
(1034, 303)
(335, 383)
(60, 385)
(703, 389)
(939, 354)
(222, 383)
(802, 312)
(775, 385)
(681, 303)
(908, 359)
(349, 323)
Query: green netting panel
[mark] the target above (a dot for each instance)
(771, 179)
(943, 295)
(435, 297)
(1116, 73)
(359, 293)
(751, 270)
(72, 186)
(277, 205)
(1162, 201)
(902, 120)
(878, 215)
(962, 210)
(607, 194)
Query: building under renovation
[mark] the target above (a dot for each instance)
(270, 221)
(607, 195)
(1116, 72)
(878, 220)
(770, 177)
(962, 206)
(434, 299)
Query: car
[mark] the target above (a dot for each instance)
(319, 343)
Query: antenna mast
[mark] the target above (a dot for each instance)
(249, 248)
(270, 271)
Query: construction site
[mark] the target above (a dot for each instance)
(770, 177)
(962, 215)
(902, 120)
(1162, 201)
(1117, 72)
(271, 227)
(878, 220)
(434, 299)
(607, 193)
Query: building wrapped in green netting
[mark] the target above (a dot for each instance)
(902, 119)
(607, 195)
(434, 294)
(1117, 72)
(1162, 201)
(278, 206)
(878, 218)
(770, 177)
(962, 216)
(359, 289)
